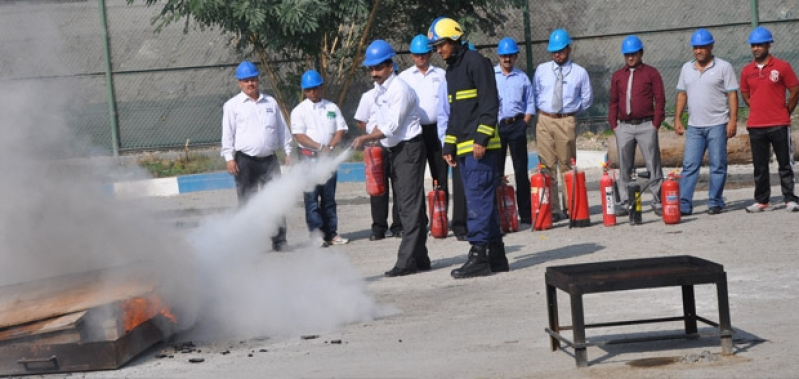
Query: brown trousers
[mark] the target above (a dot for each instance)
(556, 143)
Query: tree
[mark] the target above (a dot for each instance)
(327, 35)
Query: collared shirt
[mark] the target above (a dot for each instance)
(577, 93)
(707, 91)
(515, 93)
(319, 121)
(766, 87)
(647, 98)
(395, 110)
(255, 128)
(426, 88)
(443, 112)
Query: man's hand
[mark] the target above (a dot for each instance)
(732, 128)
(232, 168)
(478, 151)
(451, 162)
(288, 160)
(678, 128)
(359, 141)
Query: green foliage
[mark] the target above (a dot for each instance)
(325, 35)
(167, 167)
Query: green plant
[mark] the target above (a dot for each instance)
(168, 167)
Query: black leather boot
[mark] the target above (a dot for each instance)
(476, 265)
(497, 258)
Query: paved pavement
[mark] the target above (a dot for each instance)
(429, 325)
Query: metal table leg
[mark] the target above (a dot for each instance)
(552, 309)
(725, 324)
(689, 309)
(578, 323)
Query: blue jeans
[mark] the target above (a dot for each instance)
(697, 140)
(480, 184)
(320, 208)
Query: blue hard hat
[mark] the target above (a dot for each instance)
(420, 45)
(760, 35)
(631, 44)
(471, 46)
(702, 37)
(558, 40)
(311, 79)
(378, 52)
(246, 70)
(507, 46)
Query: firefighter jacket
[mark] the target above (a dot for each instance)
(474, 103)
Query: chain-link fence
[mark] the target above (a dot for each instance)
(169, 87)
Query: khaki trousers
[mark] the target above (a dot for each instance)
(556, 143)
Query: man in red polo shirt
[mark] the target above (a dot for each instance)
(763, 86)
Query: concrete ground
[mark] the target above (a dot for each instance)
(493, 327)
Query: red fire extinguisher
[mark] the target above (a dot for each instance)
(670, 198)
(437, 208)
(506, 202)
(539, 198)
(608, 198)
(375, 175)
(577, 198)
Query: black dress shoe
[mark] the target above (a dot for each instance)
(714, 210)
(396, 271)
(684, 213)
(397, 234)
(423, 266)
(377, 236)
(280, 246)
(462, 237)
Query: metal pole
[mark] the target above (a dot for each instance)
(112, 103)
(755, 16)
(528, 39)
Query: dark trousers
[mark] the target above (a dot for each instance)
(253, 173)
(480, 182)
(407, 163)
(379, 204)
(435, 161)
(458, 224)
(514, 137)
(762, 140)
(320, 209)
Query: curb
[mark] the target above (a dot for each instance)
(347, 172)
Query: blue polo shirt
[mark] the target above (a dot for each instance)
(707, 92)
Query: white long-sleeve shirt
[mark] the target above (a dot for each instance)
(396, 112)
(256, 128)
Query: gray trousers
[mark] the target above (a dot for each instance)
(407, 177)
(645, 136)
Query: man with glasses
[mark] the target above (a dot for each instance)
(763, 86)
(516, 109)
(635, 111)
(397, 128)
(425, 79)
(708, 86)
(562, 91)
(253, 130)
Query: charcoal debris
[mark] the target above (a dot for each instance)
(337, 342)
(310, 337)
(196, 360)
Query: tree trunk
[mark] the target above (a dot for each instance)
(672, 145)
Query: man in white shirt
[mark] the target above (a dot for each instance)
(253, 129)
(318, 126)
(425, 79)
(366, 121)
(398, 129)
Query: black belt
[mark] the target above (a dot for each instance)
(637, 121)
(397, 146)
(259, 159)
(556, 115)
(511, 120)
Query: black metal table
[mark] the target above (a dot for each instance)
(684, 271)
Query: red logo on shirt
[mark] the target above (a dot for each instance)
(774, 75)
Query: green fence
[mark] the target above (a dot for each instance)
(168, 88)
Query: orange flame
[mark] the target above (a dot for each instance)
(138, 310)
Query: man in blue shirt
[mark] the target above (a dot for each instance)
(516, 109)
(562, 91)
